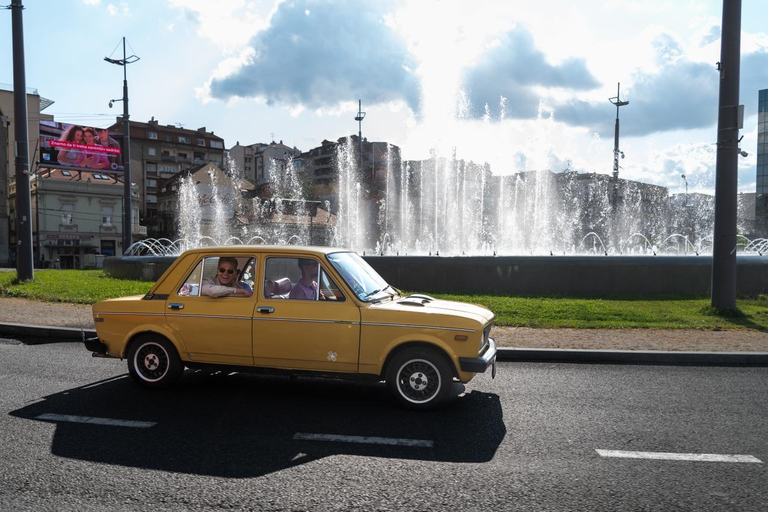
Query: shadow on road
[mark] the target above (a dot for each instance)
(242, 425)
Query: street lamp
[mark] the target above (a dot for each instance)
(685, 201)
(359, 118)
(127, 228)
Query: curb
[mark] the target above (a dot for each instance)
(52, 334)
(42, 334)
(556, 355)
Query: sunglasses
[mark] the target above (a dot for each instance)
(227, 270)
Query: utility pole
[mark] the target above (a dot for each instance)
(730, 119)
(616, 152)
(127, 208)
(359, 119)
(24, 251)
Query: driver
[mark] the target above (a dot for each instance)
(224, 283)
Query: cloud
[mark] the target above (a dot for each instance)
(681, 95)
(317, 53)
(514, 68)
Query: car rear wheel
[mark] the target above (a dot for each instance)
(419, 378)
(153, 362)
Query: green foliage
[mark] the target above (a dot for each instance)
(681, 312)
(73, 286)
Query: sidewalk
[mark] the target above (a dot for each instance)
(59, 320)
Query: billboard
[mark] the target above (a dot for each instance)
(79, 147)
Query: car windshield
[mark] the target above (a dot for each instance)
(365, 282)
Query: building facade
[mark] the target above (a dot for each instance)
(761, 203)
(35, 106)
(76, 217)
(261, 163)
(160, 151)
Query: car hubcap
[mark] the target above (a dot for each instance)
(151, 362)
(419, 381)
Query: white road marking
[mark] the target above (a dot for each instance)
(696, 457)
(96, 421)
(418, 443)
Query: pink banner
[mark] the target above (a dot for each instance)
(91, 148)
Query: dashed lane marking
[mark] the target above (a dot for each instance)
(96, 421)
(695, 457)
(418, 443)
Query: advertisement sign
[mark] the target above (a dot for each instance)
(79, 147)
(215, 202)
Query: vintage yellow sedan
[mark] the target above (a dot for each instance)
(295, 310)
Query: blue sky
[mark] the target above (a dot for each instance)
(521, 85)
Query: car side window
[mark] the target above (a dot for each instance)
(328, 288)
(191, 286)
(204, 280)
(298, 279)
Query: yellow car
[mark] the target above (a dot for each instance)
(295, 310)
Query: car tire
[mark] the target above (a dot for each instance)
(419, 378)
(153, 362)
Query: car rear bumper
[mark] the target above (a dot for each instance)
(479, 364)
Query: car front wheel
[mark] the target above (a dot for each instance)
(419, 378)
(153, 362)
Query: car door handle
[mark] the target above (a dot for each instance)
(265, 309)
(175, 305)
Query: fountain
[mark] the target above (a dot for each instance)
(446, 224)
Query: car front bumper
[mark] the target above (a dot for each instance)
(96, 346)
(480, 364)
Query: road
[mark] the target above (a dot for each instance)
(77, 434)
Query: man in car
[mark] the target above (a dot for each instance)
(224, 283)
(306, 287)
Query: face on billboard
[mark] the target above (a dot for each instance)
(79, 147)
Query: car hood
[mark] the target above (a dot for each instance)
(424, 311)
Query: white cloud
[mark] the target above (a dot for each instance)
(229, 25)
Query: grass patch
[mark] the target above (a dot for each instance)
(72, 286)
(619, 312)
(677, 312)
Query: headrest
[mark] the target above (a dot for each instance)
(283, 286)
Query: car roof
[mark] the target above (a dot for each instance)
(284, 249)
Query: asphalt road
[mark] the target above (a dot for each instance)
(527, 440)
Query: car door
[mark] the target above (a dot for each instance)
(319, 330)
(212, 329)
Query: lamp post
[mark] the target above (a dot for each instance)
(127, 225)
(24, 250)
(685, 199)
(616, 152)
(359, 118)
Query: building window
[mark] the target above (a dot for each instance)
(106, 215)
(168, 169)
(67, 213)
(108, 247)
(151, 182)
(184, 140)
(152, 135)
(201, 142)
(217, 144)
(151, 198)
(182, 155)
(151, 151)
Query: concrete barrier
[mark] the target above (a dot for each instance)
(526, 275)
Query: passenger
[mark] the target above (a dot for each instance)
(224, 283)
(306, 287)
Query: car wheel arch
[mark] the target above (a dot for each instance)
(417, 344)
(136, 337)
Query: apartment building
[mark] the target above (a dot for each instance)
(35, 106)
(158, 152)
(256, 161)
